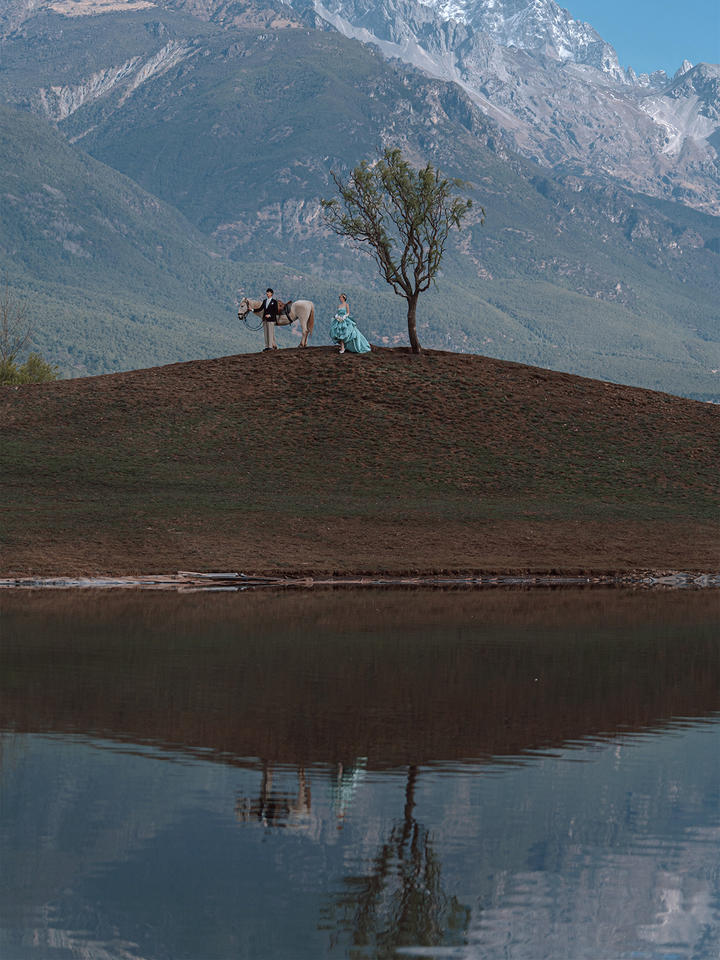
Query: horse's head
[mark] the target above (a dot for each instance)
(243, 308)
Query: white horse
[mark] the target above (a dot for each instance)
(302, 310)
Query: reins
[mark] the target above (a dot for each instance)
(250, 326)
(248, 323)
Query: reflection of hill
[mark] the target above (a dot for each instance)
(397, 677)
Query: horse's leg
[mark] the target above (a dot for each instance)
(305, 330)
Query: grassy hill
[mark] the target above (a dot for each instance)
(309, 461)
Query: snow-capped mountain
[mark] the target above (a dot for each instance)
(536, 26)
(555, 87)
(540, 26)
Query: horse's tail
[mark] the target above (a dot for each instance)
(311, 318)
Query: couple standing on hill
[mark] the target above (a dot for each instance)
(343, 329)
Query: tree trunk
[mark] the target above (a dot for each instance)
(412, 332)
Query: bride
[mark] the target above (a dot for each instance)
(344, 331)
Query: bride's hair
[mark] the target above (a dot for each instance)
(343, 296)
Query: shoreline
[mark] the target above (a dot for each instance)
(232, 581)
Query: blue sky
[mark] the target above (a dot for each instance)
(654, 34)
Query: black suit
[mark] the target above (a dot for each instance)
(269, 315)
(270, 310)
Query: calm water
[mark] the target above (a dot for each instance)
(511, 774)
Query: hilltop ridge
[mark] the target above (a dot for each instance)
(308, 462)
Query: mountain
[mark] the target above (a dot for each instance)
(234, 115)
(555, 88)
(540, 26)
(112, 275)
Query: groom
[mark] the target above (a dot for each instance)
(269, 315)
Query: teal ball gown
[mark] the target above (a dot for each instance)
(344, 329)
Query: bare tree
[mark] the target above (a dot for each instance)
(16, 326)
(404, 217)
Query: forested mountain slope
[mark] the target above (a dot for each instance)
(112, 275)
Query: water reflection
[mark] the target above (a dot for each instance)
(399, 678)
(400, 900)
(516, 776)
(276, 808)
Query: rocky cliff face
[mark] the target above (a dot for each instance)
(556, 88)
(60, 101)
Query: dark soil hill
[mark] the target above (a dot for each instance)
(307, 461)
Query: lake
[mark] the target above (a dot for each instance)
(474, 774)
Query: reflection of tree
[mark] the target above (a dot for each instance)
(401, 902)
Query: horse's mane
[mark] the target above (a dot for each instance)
(254, 305)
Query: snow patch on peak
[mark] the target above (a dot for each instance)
(537, 26)
(684, 68)
(449, 9)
